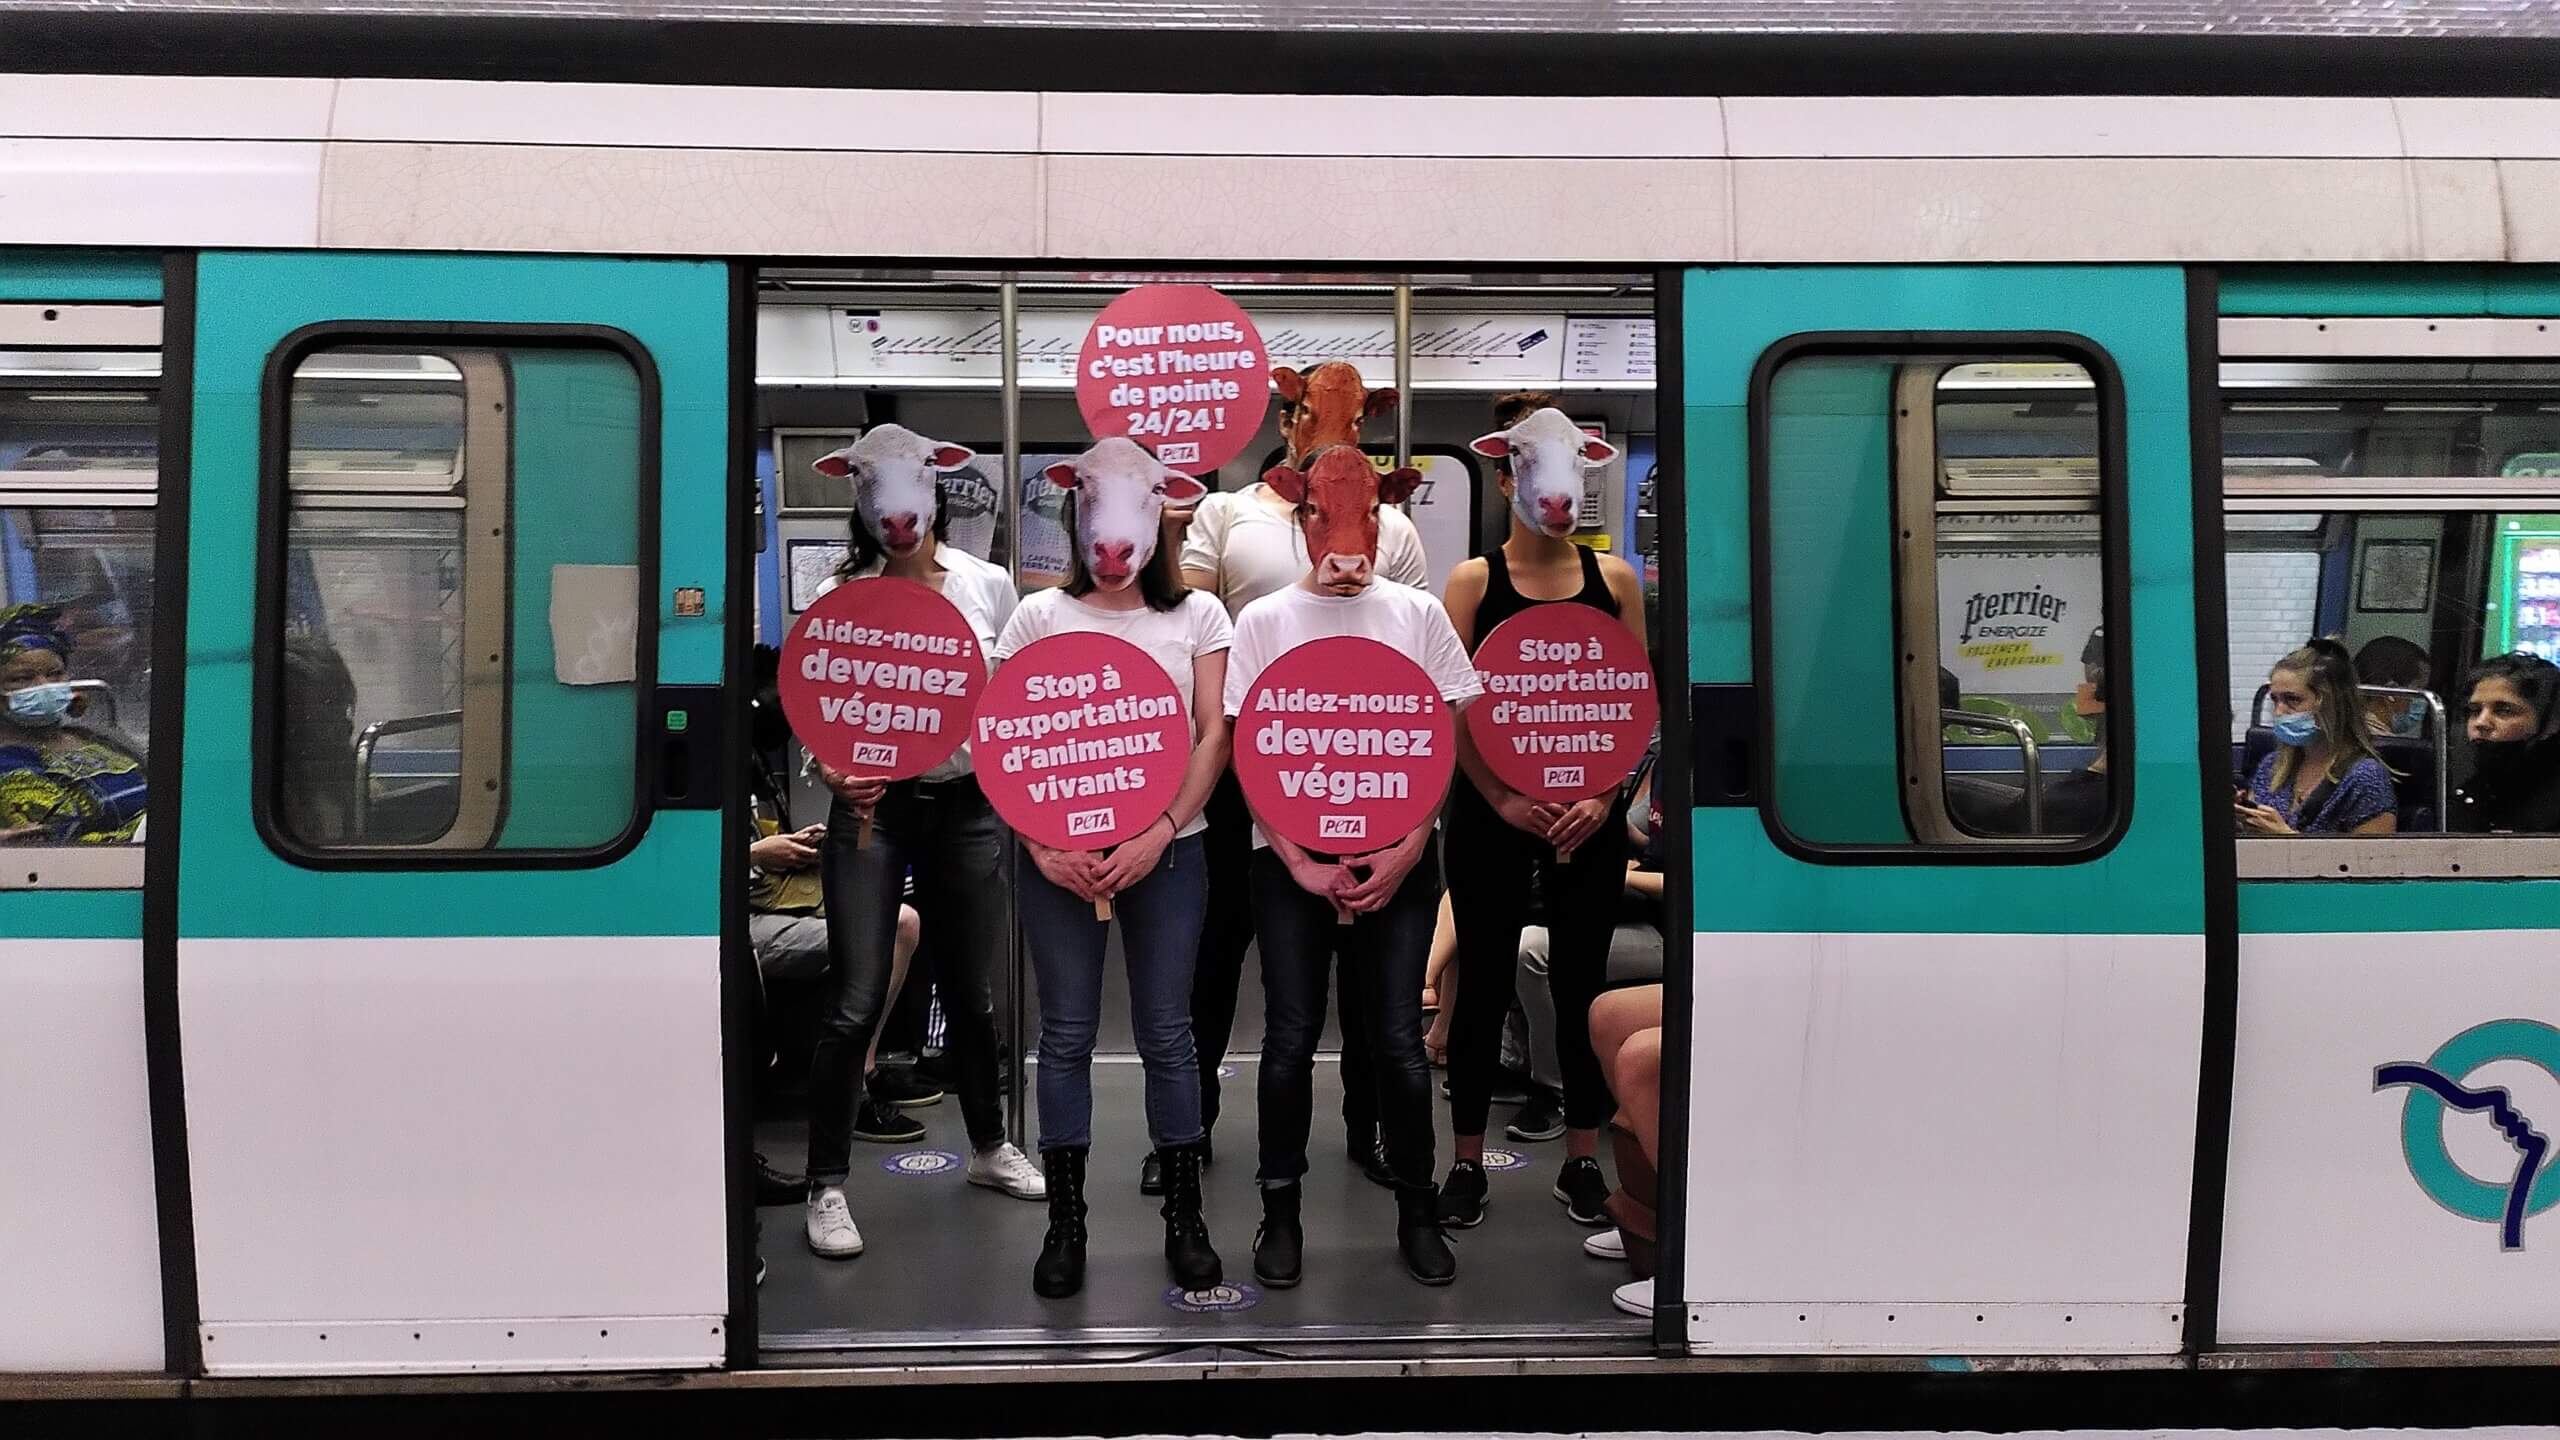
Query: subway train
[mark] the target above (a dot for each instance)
(408, 425)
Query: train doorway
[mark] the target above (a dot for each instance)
(986, 362)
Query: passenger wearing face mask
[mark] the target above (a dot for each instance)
(2324, 777)
(64, 780)
(2511, 710)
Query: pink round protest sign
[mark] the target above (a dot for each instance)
(879, 678)
(1344, 746)
(1178, 368)
(1080, 741)
(1568, 703)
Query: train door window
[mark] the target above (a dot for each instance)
(1935, 592)
(2409, 512)
(453, 650)
(79, 472)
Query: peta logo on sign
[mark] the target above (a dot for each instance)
(1564, 777)
(872, 752)
(2442, 1084)
(1092, 822)
(1181, 452)
(1344, 827)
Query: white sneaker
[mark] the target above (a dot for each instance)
(1607, 1245)
(1635, 1297)
(1005, 1168)
(831, 1230)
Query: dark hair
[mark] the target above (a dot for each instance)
(1159, 582)
(2535, 679)
(2093, 658)
(866, 547)
(1950, 694)
(1519, 405)
(2393, 661)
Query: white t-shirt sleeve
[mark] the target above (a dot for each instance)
(1204, 543)
(1402, 559)
(1211, 630)
(1246, 657)
(1444, 658)
(1033, 620)
(1002, 599)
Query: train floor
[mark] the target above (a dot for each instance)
(948, 1264)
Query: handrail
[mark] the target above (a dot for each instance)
(2030, 762)
(374, 734)
(2437, 727)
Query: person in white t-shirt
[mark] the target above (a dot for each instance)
(940, 826)
(1121, 582)
(1390, 895)
(1242, 545)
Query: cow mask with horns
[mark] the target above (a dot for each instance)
(1337, 497)
(1324, 405)
(1546, 454)
(1121, 491)
(897, 479)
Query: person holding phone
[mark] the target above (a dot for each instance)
(2324, 776)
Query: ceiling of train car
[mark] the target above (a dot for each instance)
(2349, 18)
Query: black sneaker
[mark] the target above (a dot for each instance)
(1506, 1091)
(775, 1187)
(903, 1088)
(1541, 1119)
(1584, 1193)
(885, 1124)
(1464, 1197)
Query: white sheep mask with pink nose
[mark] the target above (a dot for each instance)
(1548, 455)
(1120, 492)
(896, 474)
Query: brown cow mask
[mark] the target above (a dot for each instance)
(1324, 406)
(1337, 497)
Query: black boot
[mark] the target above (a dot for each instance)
(1418, 1235)
(1279, 1247)
(1186, 1235)
(1059, 1272)
(1151, 1174)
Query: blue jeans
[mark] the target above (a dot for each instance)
(1160, 920)
(1383, 958)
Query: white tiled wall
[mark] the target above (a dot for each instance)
(2273, 598)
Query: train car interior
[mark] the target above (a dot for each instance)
(947, 1265)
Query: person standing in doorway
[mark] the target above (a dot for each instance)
(1390, 895)
(1503, 846)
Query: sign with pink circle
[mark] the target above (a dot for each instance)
(1344, 746)
(1179, 369)
(1080, 741)
(879, 678)
(1568, 703)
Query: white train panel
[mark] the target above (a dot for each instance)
(1932, 1127)
(79, 1227)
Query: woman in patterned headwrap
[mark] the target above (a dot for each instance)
(62, 781)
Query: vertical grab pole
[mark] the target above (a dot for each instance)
(1404, 372)
(1009, 303)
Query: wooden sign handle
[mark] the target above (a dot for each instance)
(1102, 908)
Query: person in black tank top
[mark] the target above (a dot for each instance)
(1505, 849)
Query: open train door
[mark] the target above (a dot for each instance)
(1950, 961)
(448, 904)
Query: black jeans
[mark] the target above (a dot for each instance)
(959, 851)
(1219, 977)
(1383, 957)
(1491, 865)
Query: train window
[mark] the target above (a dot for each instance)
(79, 468)
(454, 657)
(2409, 512)
(1936, 597)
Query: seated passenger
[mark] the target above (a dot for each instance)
(2324, 777)
(2511, 711)
(2076, 803)
(2397, 664)
(1626, 1031)
(64, 779)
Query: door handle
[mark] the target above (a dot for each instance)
(693, 750)
(1724, 745)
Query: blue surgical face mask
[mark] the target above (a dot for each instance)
(41, 707)
(2300, 728)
